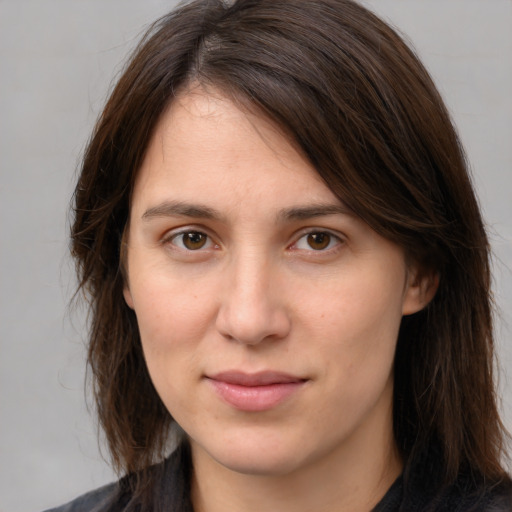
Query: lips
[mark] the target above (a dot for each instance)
(255, 392)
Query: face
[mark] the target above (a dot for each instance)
(268, 313)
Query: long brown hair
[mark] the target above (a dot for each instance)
(359, 104)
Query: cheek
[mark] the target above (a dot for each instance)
(173, 316)
(354, 304)
(356, 326)
(173, 327)
(359, 359)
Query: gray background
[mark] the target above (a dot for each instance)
(57, 58)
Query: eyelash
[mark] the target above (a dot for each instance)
(172, 237)
(333, 241)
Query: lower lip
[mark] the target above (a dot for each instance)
(255, 398)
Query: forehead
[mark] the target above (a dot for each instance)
(206, 147)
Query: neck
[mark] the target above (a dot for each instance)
(363, 474)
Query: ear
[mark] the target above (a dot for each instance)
(420, 289)
(123, 259)
(128, 296)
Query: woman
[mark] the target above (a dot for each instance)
(287, 268)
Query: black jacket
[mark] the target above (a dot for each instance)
(415, 491)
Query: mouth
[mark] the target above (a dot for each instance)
(255, 392)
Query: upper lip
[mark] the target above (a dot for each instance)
(263, 378)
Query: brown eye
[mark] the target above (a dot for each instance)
(318, 241)
(190, 240)
(194, 240)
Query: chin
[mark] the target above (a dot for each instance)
(258, 465)
(263, 457)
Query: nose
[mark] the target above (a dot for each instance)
(252, 307)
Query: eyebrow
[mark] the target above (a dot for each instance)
(312, 211)
(199, 211)
(181, 209)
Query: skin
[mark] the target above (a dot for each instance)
(240, 258)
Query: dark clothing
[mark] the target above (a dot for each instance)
(457, 498)
(411, 492)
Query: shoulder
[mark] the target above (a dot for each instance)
(462, 496)
(465, 496)
(498, 498)
(168, 484)
(479, 495)
(99, 500)
(424, 490)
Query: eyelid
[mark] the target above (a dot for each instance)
(309, 231)
(172, 234)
